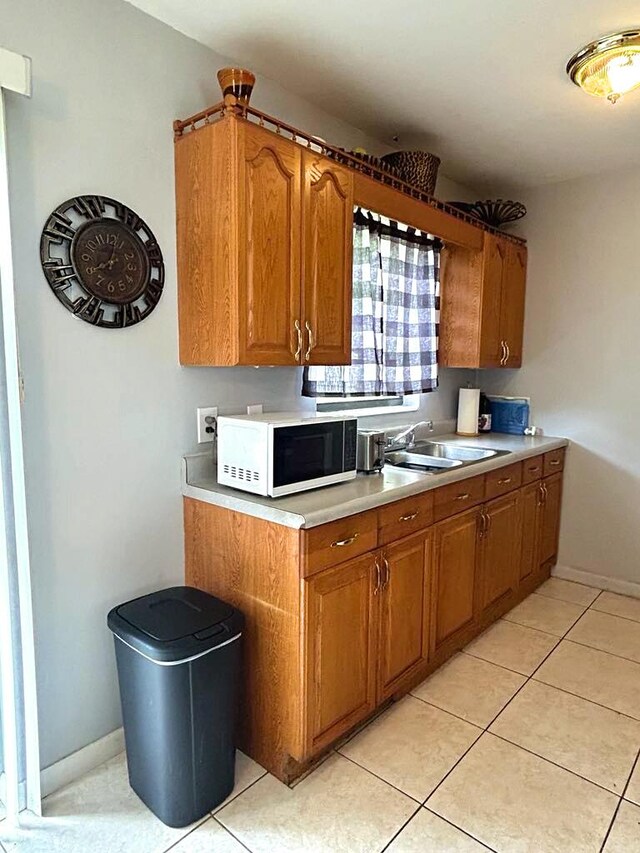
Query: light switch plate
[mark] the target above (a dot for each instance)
(206, 431)
(255, 409)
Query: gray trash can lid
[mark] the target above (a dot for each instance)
(176, 623)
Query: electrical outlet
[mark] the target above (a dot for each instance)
(255, 409)
(206, 418)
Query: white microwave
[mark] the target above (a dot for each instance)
(278, 454)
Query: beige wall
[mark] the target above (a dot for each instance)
(582, 360)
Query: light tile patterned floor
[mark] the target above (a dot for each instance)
(525, 742)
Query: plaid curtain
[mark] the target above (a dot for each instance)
(395, 315)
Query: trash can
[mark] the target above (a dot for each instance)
(178, 658)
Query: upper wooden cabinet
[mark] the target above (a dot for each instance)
(264, 249)
(482, 305)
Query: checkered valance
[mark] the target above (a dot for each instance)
(395, 314)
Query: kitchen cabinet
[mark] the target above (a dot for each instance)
(499, 549)
(482, 304)
(264, 249)
(343, 616)
(454, 576)
(341, 638)
(327, 261)
(404, 610)
(550, 520)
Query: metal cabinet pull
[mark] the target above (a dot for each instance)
(504, 481)
(378, 578)
(342, 542)
(296, 354)
(387, 573)
(533, 468)
(508, 352)
(482, 527)
(410, 517)
(462, 497)
(543, 496)
(488, 523)
(312, 340)
(504, 352)
(554, 462)
(546, 492)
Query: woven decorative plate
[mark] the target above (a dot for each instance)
(495, 213)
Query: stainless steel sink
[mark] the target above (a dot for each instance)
(433, 457)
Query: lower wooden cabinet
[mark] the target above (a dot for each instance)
(454, 576)
(341, 644)
(345, 616)
(550, 521)
(499, 549)
(404, 611)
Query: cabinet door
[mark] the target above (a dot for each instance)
(454, 576)
(512, 302)
(404, 616)
(495, 253)
(268, 223)
(550, 524)
(341, 622)
(327, 260)
(531, 505)
(500, 549)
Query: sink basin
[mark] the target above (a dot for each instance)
(421, 462)
(434, 457)
(453, 451)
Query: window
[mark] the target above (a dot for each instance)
(395, 322)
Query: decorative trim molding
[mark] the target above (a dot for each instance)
(600, 581)
(78, 763)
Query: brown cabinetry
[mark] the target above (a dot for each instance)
(343, 616)
(341, 634)
(482, 306)
(264, 249)
(499, 551)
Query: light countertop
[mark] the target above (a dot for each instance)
(318, 506)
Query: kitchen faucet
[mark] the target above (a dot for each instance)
(406, 438)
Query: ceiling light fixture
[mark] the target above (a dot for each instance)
(609, 67)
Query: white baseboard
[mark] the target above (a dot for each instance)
(599, 581)
(78, 763)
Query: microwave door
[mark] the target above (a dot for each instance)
(306, 452)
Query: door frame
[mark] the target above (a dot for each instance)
(21, 777)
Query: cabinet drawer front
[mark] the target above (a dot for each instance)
(503, 480)
(532, 469)
(553, 462)
(401, 518)
(337, 541)
(457, 497)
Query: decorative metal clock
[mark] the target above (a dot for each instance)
(102, 261)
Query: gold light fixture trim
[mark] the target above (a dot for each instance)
(609, 67)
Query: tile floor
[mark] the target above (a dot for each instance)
(526, 741)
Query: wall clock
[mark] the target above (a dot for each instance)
(102, 261)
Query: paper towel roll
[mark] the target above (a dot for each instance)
(468, 407)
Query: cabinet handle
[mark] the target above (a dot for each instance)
(554, 462)
(312, 340)
(462, 497)
(482, 519)
(387, 574)
(378, 578)
(342, 542)
(546, 493)
(410, 517)
(504, 352)
(543, 496)
(533, 468)
(508, 352)
(296, 354)
(504, 481)
(488, 523)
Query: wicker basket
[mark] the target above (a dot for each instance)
(418, 168)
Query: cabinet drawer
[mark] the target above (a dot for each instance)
(337, 541)
(553, 461)
(457, 497)
(532, 469)
(503, 480)
(401, 518)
